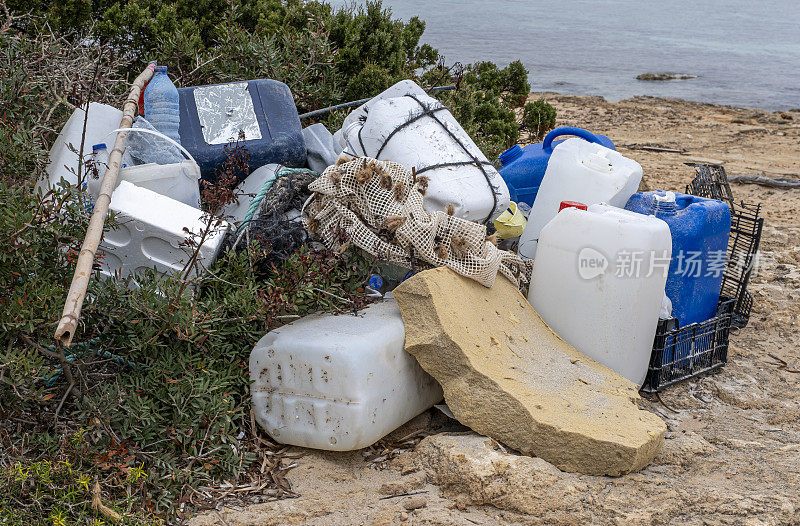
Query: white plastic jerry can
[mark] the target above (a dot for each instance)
(580, 171)
(65, 160)
(338, 382)
(598, 281)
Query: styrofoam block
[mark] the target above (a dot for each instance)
(150, 233)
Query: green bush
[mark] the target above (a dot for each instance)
(539, 117)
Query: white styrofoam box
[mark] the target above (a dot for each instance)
(150, 233)
(64, 159)
(581, 171)
(338, 382)
(427, 142)
(247, 190)
(578, 287)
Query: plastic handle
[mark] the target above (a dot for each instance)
(170, 140)
(547, 145)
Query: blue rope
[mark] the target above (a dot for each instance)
(79, 351)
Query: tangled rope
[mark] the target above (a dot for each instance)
(273, 217)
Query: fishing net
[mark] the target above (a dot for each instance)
(377, 206)
(275, 219)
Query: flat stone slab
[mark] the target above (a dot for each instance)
(507, 375)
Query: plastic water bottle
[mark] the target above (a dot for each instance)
(99, 162)
(161, 104)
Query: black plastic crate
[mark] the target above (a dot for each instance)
(711, 181)
(746, 227)
(683, 352)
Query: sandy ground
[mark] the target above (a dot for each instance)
(732, 453)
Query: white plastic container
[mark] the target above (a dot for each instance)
(338, 382)
(179, 181)
(586, 285)
(425, 143)
(321, 148)
(64, 158)
(151, 232)
(584, 172)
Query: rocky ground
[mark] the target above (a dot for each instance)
(732, 451)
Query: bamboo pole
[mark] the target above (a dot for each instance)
(83, 269)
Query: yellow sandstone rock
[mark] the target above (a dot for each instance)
(506, 375)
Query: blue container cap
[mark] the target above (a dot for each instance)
(510, 154)
(99, 146)
(160, 69)
(375, 282)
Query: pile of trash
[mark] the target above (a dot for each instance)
(604, 289)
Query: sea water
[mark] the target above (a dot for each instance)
(745, 53)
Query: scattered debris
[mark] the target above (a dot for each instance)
(406, 494)
(783, 364)
(384, 216)
(654, 148)
(777, 182)
(97, 503)
(321, 147)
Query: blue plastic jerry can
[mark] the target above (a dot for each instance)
(258, 114)
(523, 168)
(700, 229)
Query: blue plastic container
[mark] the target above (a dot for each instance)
(523, 168)
(260, 114)
(700, 228)
(161, 107)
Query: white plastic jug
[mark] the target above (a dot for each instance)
(393, 127)
(584, 172)
(598, 281)
(64, 155)
(338, 382)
